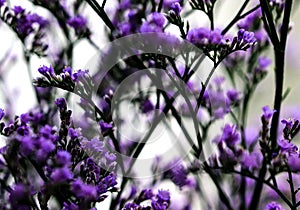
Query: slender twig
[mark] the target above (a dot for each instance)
(236, 18)
(291, 183)
(102, 14)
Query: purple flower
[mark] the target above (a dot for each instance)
(233, 95)
(147, 194)
(179, 175)
(267, 113)
(294, 163)
(2, 2)
(19, 197)
(35, 18)
(27, 145)
(104, 126)
(63, 158)
(198, 35)
(61, 103)
(147, 106)
(82, 190)
(77, 22)
(246, 36)
(273, 206)
(252, 161)
(61, 174)
(18, 10)
(1, 113)
(264, 62)
(155, 22)
(287, 147)
(107, 183)
(157, 19)
(74, 133)
(70, 206)
(176, 8)
(45, 70)
(163, 196)
(230, 135)
(110, 157)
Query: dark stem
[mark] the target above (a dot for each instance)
(102, 14)
(293, 194)
(222, 195)
(258, 187)
(236, 18)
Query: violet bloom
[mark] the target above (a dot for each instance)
(179, 175)
(163, 196)
(2, 2)
(155, 22)
(267, 113)
(63, 158)
(18, 10)
(83, 191)
(230, 135)
(246, 36)
(294, 163)
(61, 103)
(233, 95)
(273, 206)
(147, 106)
(78, 23)
(198, 35)
(61, 174)
(46, 70)
(104, 126)
(176, 8)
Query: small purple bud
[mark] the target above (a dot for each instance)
(267, 113)
(176, 8)
(18, 10)
(61, 103)
(147, 106)
(44, 70)
(163, 196)
(77, 22)
(105, 126)
(273, 206)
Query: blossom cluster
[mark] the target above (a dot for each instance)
(190, 87)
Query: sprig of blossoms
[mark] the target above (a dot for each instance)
(26, 25)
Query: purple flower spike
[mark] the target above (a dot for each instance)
(273, 206)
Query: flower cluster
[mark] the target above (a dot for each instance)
(159, 201)
(26, 24)
(180, 81)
